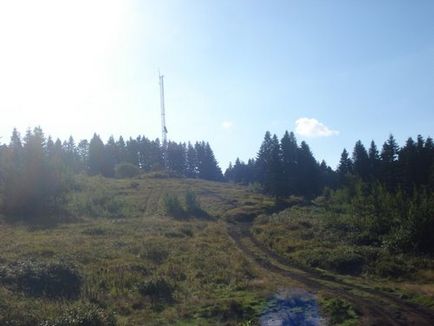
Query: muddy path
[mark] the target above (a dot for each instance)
(376, 307)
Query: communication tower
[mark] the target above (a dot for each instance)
(163, 113)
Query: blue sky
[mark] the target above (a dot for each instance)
(345, 70)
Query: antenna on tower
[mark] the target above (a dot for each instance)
(163, 112)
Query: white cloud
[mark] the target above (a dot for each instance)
(227, 124)
(310, 127)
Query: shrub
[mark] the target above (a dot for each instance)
(158, 291)
(98, 202)
(156, 254)
(192, 205)
(339, 260)
(52, 280)
(392, 267)
(126, 170)
(172, 206)
(340, 312)
(191, 202)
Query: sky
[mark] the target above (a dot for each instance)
(334, 72)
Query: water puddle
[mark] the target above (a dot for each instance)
(292, 307)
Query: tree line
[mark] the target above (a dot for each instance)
(405, 168)
(36, 172)
(386, 196)
(98, 158)
(283, 168)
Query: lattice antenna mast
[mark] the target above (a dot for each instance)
(163, 113)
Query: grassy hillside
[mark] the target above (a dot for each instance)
(315, 239)
(119, 257)
(132, 262)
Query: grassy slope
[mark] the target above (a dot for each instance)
(312, 238)
(122, 239)
(211, 279)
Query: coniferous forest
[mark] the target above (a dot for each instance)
(388, 192)
(393, 185)
(36, 172)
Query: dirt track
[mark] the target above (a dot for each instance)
(376, 307)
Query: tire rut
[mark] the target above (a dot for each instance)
(375, 312)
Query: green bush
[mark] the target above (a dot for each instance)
(51, 280)
(173, 207)
(191, 202)
(126, 170)
(98, 202)
(392, 266)
(192, 205)
(340, 260)
(340, 312)
(158, 291)
(156, 253)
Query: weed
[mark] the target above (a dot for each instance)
(340, 311)
(83, 314)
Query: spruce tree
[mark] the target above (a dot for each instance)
(262, 159)
(389, 171)
(308, 177)
(191, 162)
(289, 162)
(360, 161)
(96, 156)
(176, 160)
(374, 161)
(345, 166)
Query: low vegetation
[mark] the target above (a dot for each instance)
(137, 266)
(153, 247)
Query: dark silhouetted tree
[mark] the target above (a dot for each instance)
(289, 162)
(361, 161)
(96, 156)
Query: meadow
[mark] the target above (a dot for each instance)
(121, 257)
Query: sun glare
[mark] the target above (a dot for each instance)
(56, 54)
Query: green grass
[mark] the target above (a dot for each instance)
(118, 235)
(339, 311)
(124, 247)
(315, 238)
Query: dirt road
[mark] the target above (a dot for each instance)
(376, 307)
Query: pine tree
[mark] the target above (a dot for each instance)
(191, 162)
(262, 159)
(308, 177)
(176, 158)
(389, 153)
(345, 166)
(207, 165)
(289, 162)
(82, 152)
(96, 156)
(132, 149)
(408, 165)
(15, 148)
(374, 161)
(110, 154)
(35, 186)
(360, 161)
(389, 171)
(122, 154)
